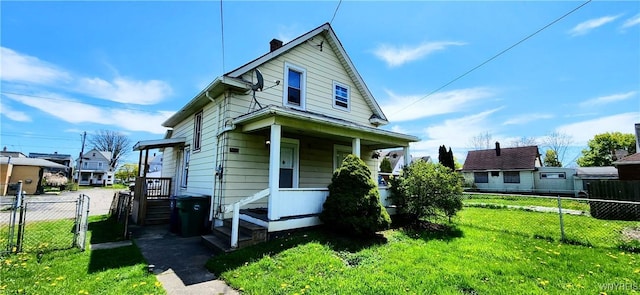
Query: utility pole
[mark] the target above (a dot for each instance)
(84, 136)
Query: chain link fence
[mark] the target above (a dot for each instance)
(42, 223)
(581, 221)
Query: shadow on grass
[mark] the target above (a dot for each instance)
(115, 258)
(339, 243)
(427, 231)
(105, 229)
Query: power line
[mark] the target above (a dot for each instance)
(494, 57)
(335, 12)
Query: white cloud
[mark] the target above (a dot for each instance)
(397, 128)
(586, 26)
(77, 112)
(454, 133)
(411, 107)
(397, 56)
(634, 21)
(607, 99)
(125, 90)
(22, 68)
(12, 114)
(526, 118)
(582, 132)
(17, 67)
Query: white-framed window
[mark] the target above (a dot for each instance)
(185, 167)
(100, 165)
(295, 81)
(511, 176)
(197, 131)
(341, 96)
(339, 153)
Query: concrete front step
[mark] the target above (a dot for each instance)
(248, 234)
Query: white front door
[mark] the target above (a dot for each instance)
(288, 165)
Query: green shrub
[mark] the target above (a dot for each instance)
(427, 191)
(385, 165)
(353, 205)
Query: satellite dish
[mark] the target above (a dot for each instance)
(260, 84)
(256, 87)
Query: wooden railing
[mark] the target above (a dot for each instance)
(149, 188)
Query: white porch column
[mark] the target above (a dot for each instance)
(355, 147)
(407, 156)
(274, 170)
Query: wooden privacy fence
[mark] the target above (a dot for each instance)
(626, 193)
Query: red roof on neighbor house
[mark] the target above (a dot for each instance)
(518, 158)
(628, 160)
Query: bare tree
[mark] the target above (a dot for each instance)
(559, 143)
(111, 141)
(524, 141)
(481, 141)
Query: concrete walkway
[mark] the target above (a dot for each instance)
(179, 262)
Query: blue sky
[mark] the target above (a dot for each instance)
(69, 67)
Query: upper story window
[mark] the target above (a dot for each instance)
(341, 95)
(295, 81)
(197, 131)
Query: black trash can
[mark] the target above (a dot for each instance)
(193, 211)
(174, 217)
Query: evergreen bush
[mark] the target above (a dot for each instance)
(353, 205)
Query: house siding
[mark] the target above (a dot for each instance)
(201, 162)
(322, 69)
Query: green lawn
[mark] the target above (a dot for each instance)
(476, 257)
(70, 271)
(519, 200)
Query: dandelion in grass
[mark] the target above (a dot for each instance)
(143, 283)
(135, 285)
(157, 284)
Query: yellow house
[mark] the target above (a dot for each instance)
(27, 170)
(263, 140)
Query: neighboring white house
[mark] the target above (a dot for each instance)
(269, 134)
(94, 168)
(519, 170)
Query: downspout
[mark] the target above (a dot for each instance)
(213, 189)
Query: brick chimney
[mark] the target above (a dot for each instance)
(275, 44)
(497, 149)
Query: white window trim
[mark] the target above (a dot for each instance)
(333, 92)
(197, 128)
(303, 87)
(184, 171)
(340, 148)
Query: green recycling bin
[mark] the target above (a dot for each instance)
(193, 211)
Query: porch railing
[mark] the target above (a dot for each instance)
(286, 203)
(235, 207)
(149, 188)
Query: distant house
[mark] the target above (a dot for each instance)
(94, 168)
(629, 167)
(502, 169)
(396, 158)
(62, 159)
(519, 170)
(27, 170)
(155, 165)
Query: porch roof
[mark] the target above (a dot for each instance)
(304, 122)
(158, 143)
